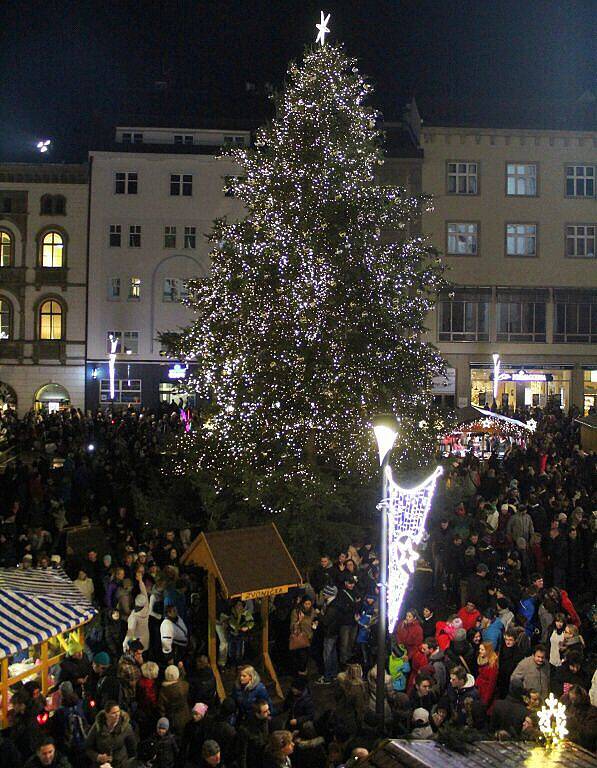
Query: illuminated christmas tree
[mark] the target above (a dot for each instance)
(310, 320)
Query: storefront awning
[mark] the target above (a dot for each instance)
(37, 604)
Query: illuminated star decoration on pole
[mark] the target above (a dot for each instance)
(552, 721)
(323, 29)
(112, 363)
(407, 510)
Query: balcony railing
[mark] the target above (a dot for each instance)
(12, 275)
(51, 276)
(49, 350)
(11, 350)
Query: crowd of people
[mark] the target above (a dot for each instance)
(501, 613)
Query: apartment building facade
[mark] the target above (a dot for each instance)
(515, 219)
(43, 236)
(153, 199)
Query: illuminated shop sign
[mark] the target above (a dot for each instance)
(523, 375)
(177, 371)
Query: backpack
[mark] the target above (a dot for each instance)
(76, 730)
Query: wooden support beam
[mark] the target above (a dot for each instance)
(4, 692)
(44, 667)
(211, 634)
(267, 662)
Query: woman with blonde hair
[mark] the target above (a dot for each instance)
(278, 750)
(247, 689)
(486, 681)
(351, 693)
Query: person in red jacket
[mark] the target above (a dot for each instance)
(409, 633)
(419, 661)
(486, 681)
(469, 615)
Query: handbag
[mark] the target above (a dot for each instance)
(298, 639)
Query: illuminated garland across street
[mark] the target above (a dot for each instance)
(407, 510)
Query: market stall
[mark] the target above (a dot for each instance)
(249, 563)
(40, 609)
(482, 432)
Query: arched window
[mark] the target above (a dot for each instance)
(50, 320)
(6, 249)
(5, 318)
(52, 250)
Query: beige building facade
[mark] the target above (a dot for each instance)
(515, 220)
(43, 265)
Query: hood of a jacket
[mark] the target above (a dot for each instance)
(470, 682)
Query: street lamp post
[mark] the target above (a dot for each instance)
(385, 427)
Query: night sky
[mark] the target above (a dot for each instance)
(71, 69)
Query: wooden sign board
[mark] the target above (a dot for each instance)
(257, 593)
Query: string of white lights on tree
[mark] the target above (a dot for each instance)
(311, 319)
(407, 510)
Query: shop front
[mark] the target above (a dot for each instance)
(52, 397)
(518, 386)
(590, 391)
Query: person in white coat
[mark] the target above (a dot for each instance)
(138, 620)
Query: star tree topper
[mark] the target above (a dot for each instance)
(323, 29)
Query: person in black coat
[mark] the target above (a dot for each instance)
(298, 704)
(510, 654)
(254, 735)
(460, 652)
(477, 589)
(569, 673)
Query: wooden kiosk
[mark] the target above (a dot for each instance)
(248, 563)
(39, 610)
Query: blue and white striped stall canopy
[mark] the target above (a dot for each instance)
(36, 605)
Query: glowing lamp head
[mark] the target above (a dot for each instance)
(44, 145)
(385, 428)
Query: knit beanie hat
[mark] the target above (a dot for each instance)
(330, 591)
(66, 688)
(210, 748)
(164, 723)
(171, 674)
(200, 708)
(101, 659)
(421, 715)
(460, 635)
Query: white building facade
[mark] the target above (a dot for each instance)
(43, 236)
(515, 219)
(153, 199)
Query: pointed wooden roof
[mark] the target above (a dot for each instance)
(248, 562)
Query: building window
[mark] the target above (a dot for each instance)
(575, 322)
(5, 319)
(180, 138)
(125, 183)
(169, 392)
(463, 239)
(125, 391)
(190, 237)
(135, 288)
(462, 179)
(174, 289)
(59, 205)
(580, 181)
(115, 235)
(239, 141)
(134, 236)
(580, 241)
(521, 239)
(127, 342)
(132, 138)
(521, 179)
(52, 250)
(6, 248)
(114, 288)
(169, 237)
(181, 184)
(45, 205)
(462, 320)
(522, 320)
(50, 321)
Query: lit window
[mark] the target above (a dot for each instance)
(130, 342)
(50, 321)
(522, 179)
(174, 289)
(462, 178)
(134, 236)
(463, 239)
(521, 239)
(5, 319)
(52, 250)
(114, 288)
(113, 336)
(580, 241)
(6, 248)
(190, 237)
(115, 235)
(181, 184)
(169, 237)
(463, 320)
(183, 138)
(580, 180)
(135, 288)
